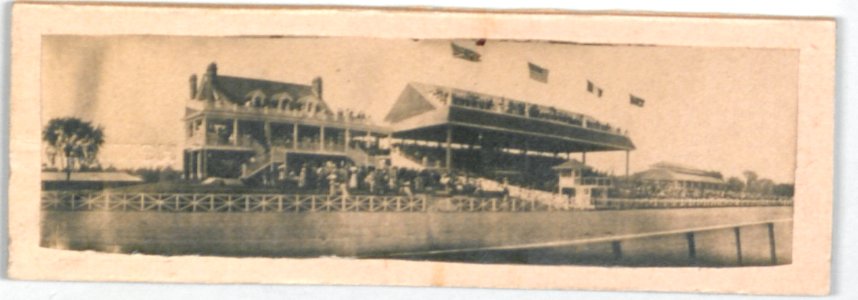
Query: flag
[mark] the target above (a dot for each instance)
(593, 89)
(465, 53)
(634, 100)
(538, 73)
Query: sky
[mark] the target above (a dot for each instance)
(723, 109)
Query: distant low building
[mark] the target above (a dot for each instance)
(674, 180)
(54, 180)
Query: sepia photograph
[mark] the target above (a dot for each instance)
(420, 147)
(475, 151)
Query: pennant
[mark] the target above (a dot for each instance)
(465, 53)
(593, 89)
(538, 73)
(637, 101)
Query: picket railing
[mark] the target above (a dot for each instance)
(685, 203)
(190, 202)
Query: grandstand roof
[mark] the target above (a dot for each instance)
(424, 112)
(660, 172)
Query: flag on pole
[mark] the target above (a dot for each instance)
(465, 53)
(538, 73)
(593, 89)
(637, 101)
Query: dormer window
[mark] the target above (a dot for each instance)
(284, 101)
(255, 99)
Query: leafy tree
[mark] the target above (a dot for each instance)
(784, 190)
(751, 178)
(734, 184)
(75, 141)
(765, 186)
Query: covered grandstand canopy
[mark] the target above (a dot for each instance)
(664, 171)
(442, 114)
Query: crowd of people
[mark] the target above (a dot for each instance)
(507, 106)
(344, 178)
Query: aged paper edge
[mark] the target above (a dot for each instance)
(813, 37)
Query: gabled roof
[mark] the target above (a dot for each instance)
(415, 99)
(435, 95)
(571, 164)
(236, 89)
(679, 168)
(671, 175)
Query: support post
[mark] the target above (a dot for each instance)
(205, 155)
(295, 136)
(738, 234)
(449, 145)
(322, 138)
(205, 132)
(186, 165)
(199, 165)
(267, 129)
(235, 132)
(584, 158)
(347, 136)
(692, 248)
(772, 246)
(617, 250)
(526, 158)
(627, 163)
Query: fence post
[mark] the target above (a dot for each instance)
(772, 248)
(617, 250)
(692, 248)
(738, 234)
(279, 203)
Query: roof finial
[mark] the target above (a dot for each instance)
(212, 69)
(317, 87)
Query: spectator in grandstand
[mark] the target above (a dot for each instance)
(302, 177)
(370, 181)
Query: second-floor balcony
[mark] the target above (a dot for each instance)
(333, 117)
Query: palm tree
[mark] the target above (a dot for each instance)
(76, 140)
